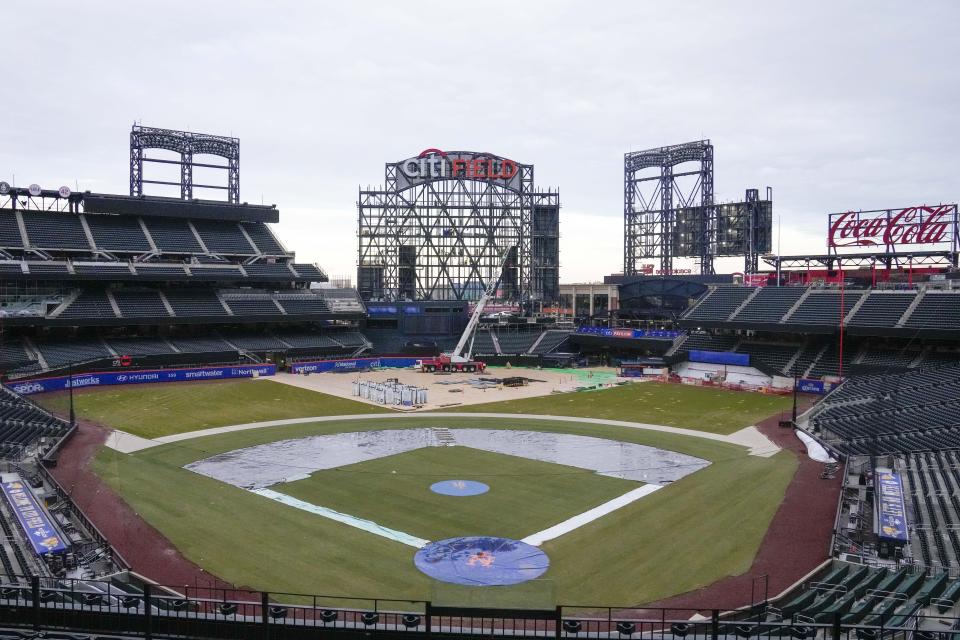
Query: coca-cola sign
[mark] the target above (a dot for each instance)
(922, 225)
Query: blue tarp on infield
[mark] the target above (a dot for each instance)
(459, 487)
(481, 561)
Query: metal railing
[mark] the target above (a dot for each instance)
(155, 611)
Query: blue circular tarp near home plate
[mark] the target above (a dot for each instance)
(459, 488)
(481, 561)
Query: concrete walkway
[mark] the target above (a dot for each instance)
(749, 437)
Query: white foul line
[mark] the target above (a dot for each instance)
(587, 517)
(345, 518)
(535, 539)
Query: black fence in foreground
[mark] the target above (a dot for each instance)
(87, 609)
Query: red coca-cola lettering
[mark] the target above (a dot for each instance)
(913, 225)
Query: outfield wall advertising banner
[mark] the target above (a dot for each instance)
(811, 386)
(892, 523)
(34, 521)
(605, 332)
(720, 357)
(105, 378)
(354, 364)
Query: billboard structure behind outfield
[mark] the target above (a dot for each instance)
(439, 226)
(669, 212)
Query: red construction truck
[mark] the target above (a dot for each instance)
(460, 359)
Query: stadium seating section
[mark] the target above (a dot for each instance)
(140, 304)
(932, 484)
(24, 424)
(40, 355)
(87, 306)
(483, 342)
(909, 412)
(769, 305)
(825, 307)
(719, 303)
(860, 595)
(516, 342)
(195, 302)
(118, 233)
(551, 340)
(937, 309)
(92, 246)
(928, 308)
(882, 309)
(705, 342)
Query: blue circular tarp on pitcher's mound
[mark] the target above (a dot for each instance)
(482, 561)
(459, 488)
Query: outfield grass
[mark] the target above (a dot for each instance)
(674, 405)
(687, 535)
(526, 496)
(154, 410)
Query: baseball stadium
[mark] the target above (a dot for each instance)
(203, 437)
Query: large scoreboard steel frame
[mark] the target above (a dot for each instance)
(438, 227)
(651, 201)
(670, 213)
(187, 144)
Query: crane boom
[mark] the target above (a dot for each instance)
(457, 354)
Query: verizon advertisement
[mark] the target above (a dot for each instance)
(436, 164)
(922, 228)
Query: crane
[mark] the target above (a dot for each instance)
(460, 359)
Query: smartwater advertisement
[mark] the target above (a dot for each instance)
(80, 380)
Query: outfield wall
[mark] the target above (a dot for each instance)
(108, 378)
(352, 364)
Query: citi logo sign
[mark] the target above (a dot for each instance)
(437, 164)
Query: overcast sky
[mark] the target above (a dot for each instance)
(835, 105)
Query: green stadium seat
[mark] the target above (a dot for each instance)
(932, 588)
(948, 598)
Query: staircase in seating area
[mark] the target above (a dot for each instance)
(536, 342)
(32, 349)
(496, 342)
(677, 343)
(913, 305)
(73, 295)
(753, 294)
(854, 309)
(796, 305)
(796, 356)
(700, 301)
(816, 359)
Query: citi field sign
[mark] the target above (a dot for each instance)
(928, 226)
(435, 164)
